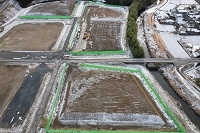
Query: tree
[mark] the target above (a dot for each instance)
(120, 2)
(134, 10)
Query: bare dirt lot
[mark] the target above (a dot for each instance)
(101, 29)
(101, 93)
(53, 8)
(31, 37)
(104, 36)
(93, 95)
(10, 78)
(26, 87)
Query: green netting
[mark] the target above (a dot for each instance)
(124, 69)
(113, 5)
(117, 52)
(112, 68)
(163, 104)
(60, 85)
(45, 17)
(93, 131)
(115, 68)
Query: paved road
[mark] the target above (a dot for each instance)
(86, 60)
(43, 102)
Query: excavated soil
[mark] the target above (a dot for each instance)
(106, 92)
(93, 92)
(104, 36)
(102, 30)
(53, 8)
(31, 37)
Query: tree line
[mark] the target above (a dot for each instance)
(135, 8)
(24, 3)
(128, 2)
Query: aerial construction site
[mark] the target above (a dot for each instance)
(66, 67)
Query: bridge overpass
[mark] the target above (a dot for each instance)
(97, 60)
(134, 60)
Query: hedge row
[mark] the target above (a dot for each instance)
(134, 10)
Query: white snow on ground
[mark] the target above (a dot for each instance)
(79, 9)
(115, 119)
(179, 114)
(103, 118)
(155, 99)
(169, 6)
(75, 92)
(152, 45)
(187, 1)
(194, 39)
(141, 37)
(193, 72)
(153, 9)
(173, 46)
(25, 10)
(170, 40)
(164, 28)
(190, 88)
(11, 15)
(189, 93)
(173, 3)
(49, 105)
(62, 37)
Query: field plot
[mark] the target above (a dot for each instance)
(31, 37)
(19, 86)
(96, 99)
(101, 28)
(10, 78)
(53, 8)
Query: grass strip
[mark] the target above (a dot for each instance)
(114, 5)
(103, 131)
(62, 78)
(163, 104)
(45, 17)
(112, 52)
